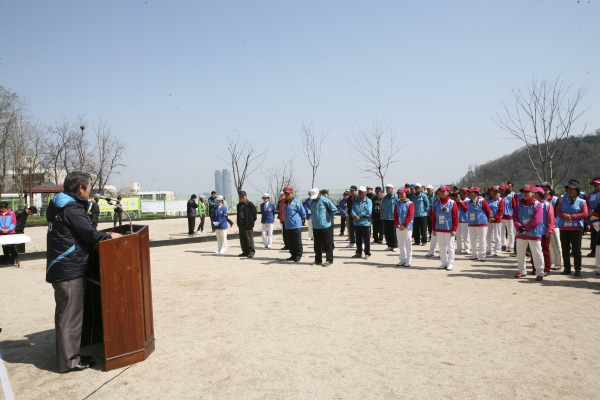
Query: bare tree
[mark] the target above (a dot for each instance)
(10, 107)
(26, 148)
(312, 144)
(375, 149)
(244, 159)
(108, 150)
(279, 177)
(544, 117)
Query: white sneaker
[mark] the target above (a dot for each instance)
(474, 257)
(350, 245)
(395, 249)
(400, 264)
(407, 264)
(217, 253)
(223, 251)
(388, 249)
(268, 247)
(366, 257)
(442, 266)
(481, 258)
(429, 255)
(450, 267)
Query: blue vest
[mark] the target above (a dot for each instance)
(508, 207)
(567, 207)
(525, 215)
(476, 214)
(402, 211)
(267, 211)
(443, 215)
(463, 216)
(494, 206)
(594, 199)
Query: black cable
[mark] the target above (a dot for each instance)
(101, 386)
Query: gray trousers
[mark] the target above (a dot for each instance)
(68, 321)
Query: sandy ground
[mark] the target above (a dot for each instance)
(227, 327)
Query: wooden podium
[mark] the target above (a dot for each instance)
(118, 298)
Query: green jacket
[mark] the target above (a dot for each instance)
(203, 207)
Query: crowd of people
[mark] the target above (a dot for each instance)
(532, 223)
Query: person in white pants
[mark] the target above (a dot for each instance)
(463, 241)
(309, 222)
(444, 217)
(434, 240)
(555, 246)
(479, 214)
(404, 211)
(496, 205)
(220, 215)
(507, 232)
(267, 219)
(530, 223)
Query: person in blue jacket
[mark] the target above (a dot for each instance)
(219, 221)
(421, 203)
(267, 219)
(294, 215)
(361, 218)
(342, 208)
(322, 211)
(309, 222)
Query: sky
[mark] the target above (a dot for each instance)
(175, 79)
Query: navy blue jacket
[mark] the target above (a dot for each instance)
(70, 239)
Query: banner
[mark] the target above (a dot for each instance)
(128, 203)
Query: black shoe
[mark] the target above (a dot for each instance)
(566, 272)
(297, 259)
(250, 255)
(285, 248)
(357, 256)
(424, 244)
(86, 359)
(341, 234)
(243, 255)
(290, 259)
(81, 366)
(577, 272)
(592, 254)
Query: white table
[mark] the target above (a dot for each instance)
(16, 238)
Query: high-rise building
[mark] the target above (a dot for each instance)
(218, 181)
(223, 183)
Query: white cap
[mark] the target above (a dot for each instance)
(220, 198)
(313, 193)
(266, 195)
(419, 185)
(389, 185)
(281, 193)
(362, 189)
(429, 187)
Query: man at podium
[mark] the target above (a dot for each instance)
(70, 240)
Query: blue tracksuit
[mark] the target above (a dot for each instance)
(294, 214)
(388, 203)
(421, 203)
(322, 211)
(363, 209)
(267, 211)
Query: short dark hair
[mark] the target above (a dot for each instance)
(119, 197)
(33, 209)
(76, 179)
(193, 196)
(3, 204)
(242, 193)
(213, 192)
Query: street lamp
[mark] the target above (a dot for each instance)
(82, 128)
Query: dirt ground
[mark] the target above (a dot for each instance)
(228, 327)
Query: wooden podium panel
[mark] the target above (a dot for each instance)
(118, 308)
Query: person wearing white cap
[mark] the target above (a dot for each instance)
(322, 211)
(388, 204)
(267, 219)
(309, 222)
(219, 218)
(361, 216)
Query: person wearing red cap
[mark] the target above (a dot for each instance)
(592, 201)
(530, 220)
(462, 235)
(507, 232)
(572, 211)
(495, 224)
(548, 221)
(404, 211)
(445, 223)
(479, 215)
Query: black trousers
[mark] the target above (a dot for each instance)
(377, 230)
(351, 230)
(323, 242)
(201, 226)
(429, 226)
(210, 215)
(118, 217)
(420, 230)
(286, 242)
(570, 240)
(363, 237)
(191, 225)
(389, 231)
(342, 225)
(247, 241)
(10, 252)
(593, 239)
(294, 237)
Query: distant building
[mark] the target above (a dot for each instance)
(157, 195)
(218, 182)
(131, 188)
(223, 183)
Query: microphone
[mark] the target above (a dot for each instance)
(98, 196)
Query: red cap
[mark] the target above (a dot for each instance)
(539, 190)
(475, 189)
(401, 190)
(444, 188)
(496, 188)
(288, 190)
(464, 189)
(594, 181)
(528, 187)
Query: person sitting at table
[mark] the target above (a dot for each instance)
(22, 216)
(8, 222)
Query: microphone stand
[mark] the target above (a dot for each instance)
(122, 209)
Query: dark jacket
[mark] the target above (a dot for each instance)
(95, 212)
(191, 208)
(246, 215)
(70, 239)
(377, 208)
(118, 207)
(349, 203)
(21, 220)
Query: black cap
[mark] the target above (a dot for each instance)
(378, 189)
(571, 184)
(353, 187)
(194, 196)
(241, 193)
(407, 185)
(545, 185)
(346, 193)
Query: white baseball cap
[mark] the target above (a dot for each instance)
(220, 198)
(266, 195)
(281, 193)
(417, 185)
(362, 189)
(313, 193)
(429, 187)
(389, 185)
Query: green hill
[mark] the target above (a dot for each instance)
(516, 167)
